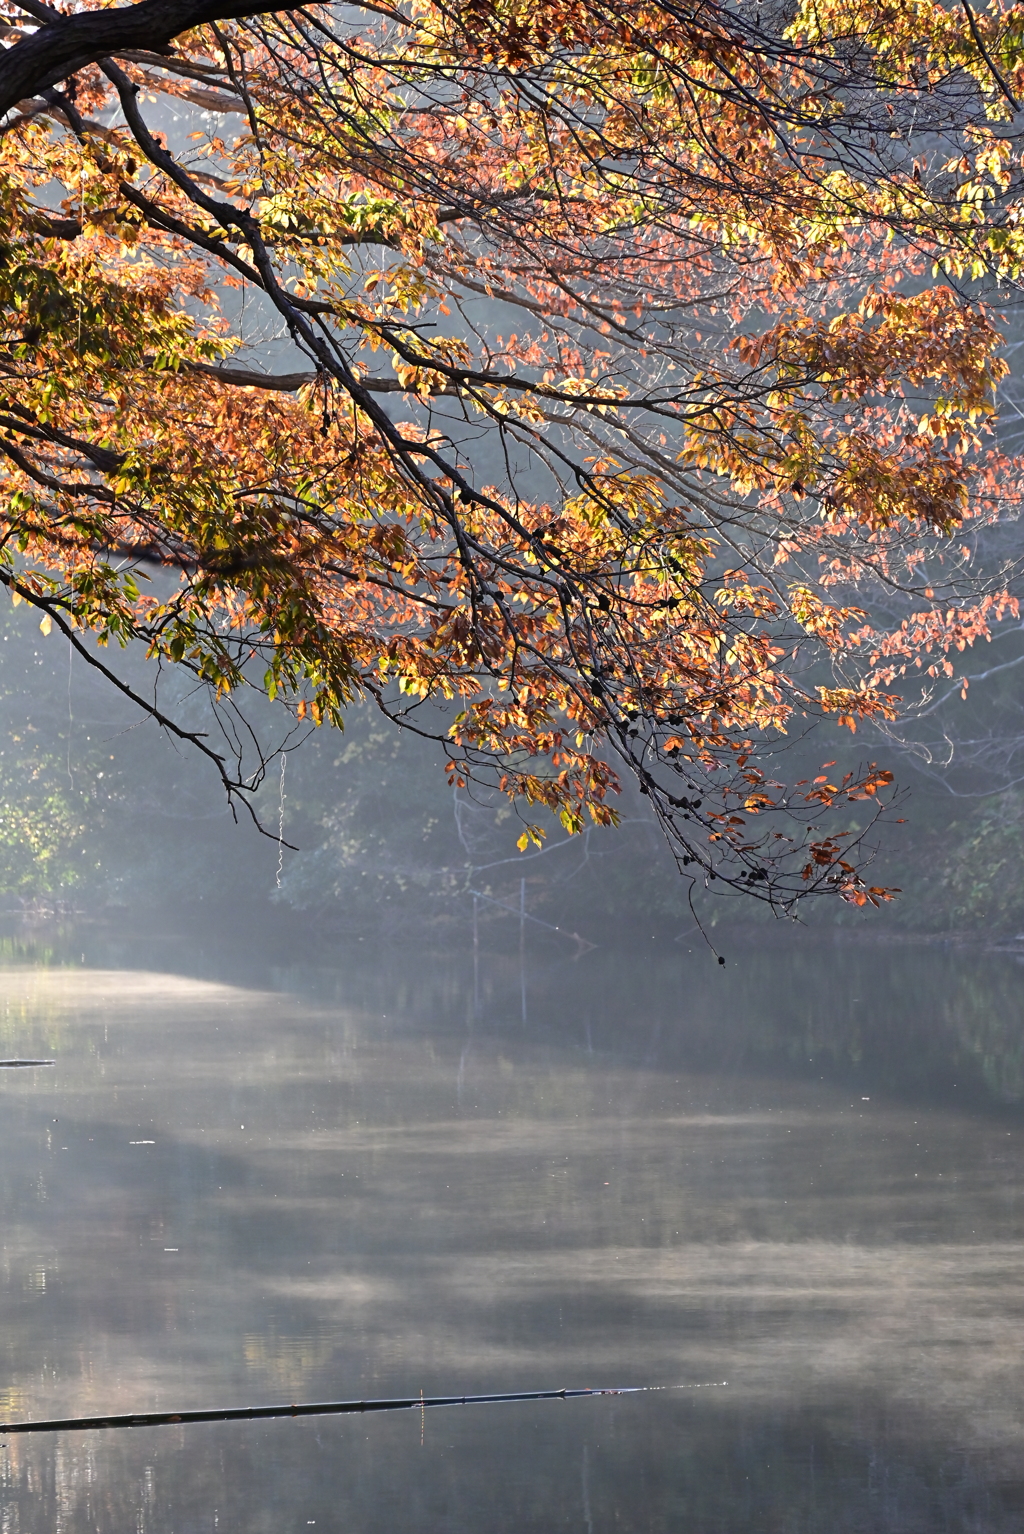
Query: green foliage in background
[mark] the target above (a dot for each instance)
(44, 845)
(40, 834)
(965, 872)
(375, 823)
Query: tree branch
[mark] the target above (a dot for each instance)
(289, 383)
(61, 47)
(235, 788)
(994, 70)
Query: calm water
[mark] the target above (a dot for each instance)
(801, 1175)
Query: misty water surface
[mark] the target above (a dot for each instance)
(800, 1175)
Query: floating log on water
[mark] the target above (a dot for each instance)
(14, 1064)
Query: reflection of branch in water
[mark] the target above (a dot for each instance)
(587, 1517)
(329, 1408)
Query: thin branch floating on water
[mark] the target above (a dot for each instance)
(326, 1408)
(14, 1064)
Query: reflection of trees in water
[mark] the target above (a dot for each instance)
(908, 1018)
(986, 1017)
(665, 1200)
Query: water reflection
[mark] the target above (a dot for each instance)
(800, 1176)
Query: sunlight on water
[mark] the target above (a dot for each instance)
(224, 1195)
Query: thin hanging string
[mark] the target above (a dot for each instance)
(71, 717)
(280, 821)
(81, 262)
(71, 658)
(81, 269)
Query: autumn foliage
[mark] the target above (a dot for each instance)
(600, 387)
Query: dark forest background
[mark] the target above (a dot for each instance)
(101, 813)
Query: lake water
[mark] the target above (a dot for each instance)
(800, 1175)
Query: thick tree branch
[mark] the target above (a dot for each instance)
(60, 48)
(993, 67)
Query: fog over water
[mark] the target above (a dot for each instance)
(352, 1155)
(800, 1176)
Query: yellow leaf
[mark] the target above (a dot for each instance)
(46, 624)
